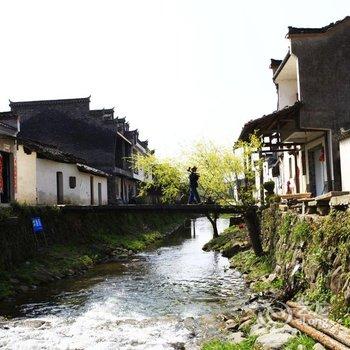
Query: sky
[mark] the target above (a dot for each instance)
(181, 71)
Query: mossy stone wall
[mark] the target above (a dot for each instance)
(321, 247)
(18, 242)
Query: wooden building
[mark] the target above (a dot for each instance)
(105, 142)
(301, 139)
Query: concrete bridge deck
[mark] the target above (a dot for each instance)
(158, 208)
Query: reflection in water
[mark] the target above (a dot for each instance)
(145, 303)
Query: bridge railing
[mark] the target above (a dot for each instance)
(168, 208)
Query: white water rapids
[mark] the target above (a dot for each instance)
(164, 299)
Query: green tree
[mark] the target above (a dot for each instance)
(218, 168)
(164, 177)
(227, 177)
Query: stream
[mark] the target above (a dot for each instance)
(165, 298)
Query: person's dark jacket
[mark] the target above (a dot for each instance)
(194, 179)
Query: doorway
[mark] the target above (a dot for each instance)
(317, 171)
(5, 178)
(99, 190)
(59, 182)
(92, 198)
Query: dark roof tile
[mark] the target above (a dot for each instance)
(275, 63)
(49, 102)
(295, 30)
(257, 124)
(49, 151)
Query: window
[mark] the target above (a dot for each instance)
(72, 182)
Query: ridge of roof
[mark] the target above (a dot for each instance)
(49, 102)
(101, 111)
(295, 30)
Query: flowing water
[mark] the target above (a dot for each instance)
(167, 298)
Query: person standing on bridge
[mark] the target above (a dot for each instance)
(193, 178)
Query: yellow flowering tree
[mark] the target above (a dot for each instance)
(218, 168)
(165, 178)
(227, 177)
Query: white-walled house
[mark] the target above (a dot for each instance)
(47, 176)
(300, 140)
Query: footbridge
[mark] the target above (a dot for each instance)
(158, 208)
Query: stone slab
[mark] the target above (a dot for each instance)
(327, 196)
(340, 201)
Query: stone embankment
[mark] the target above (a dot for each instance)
(71, 243)
(307, 259)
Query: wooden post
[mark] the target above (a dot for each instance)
(261, 170)
(297, 172)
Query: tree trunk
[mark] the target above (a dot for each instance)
(213, 222)
(253, 224)
(324, 325)
(322, 338)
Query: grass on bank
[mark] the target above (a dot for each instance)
(219, 345)
(61, 260)
(299, 342)
(131, 242)
(257, 269)
(230, 236)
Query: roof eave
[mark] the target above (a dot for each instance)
(279, 69)
(299, 32)
(250, 127)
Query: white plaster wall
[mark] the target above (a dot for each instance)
(85, 178)
(140, 175)
(285, 171)
(268, 177)
(344, 146)
(80, 195)
(26, 177)
(280, 181)
(287, 93)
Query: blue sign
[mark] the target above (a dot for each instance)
(37, 225)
